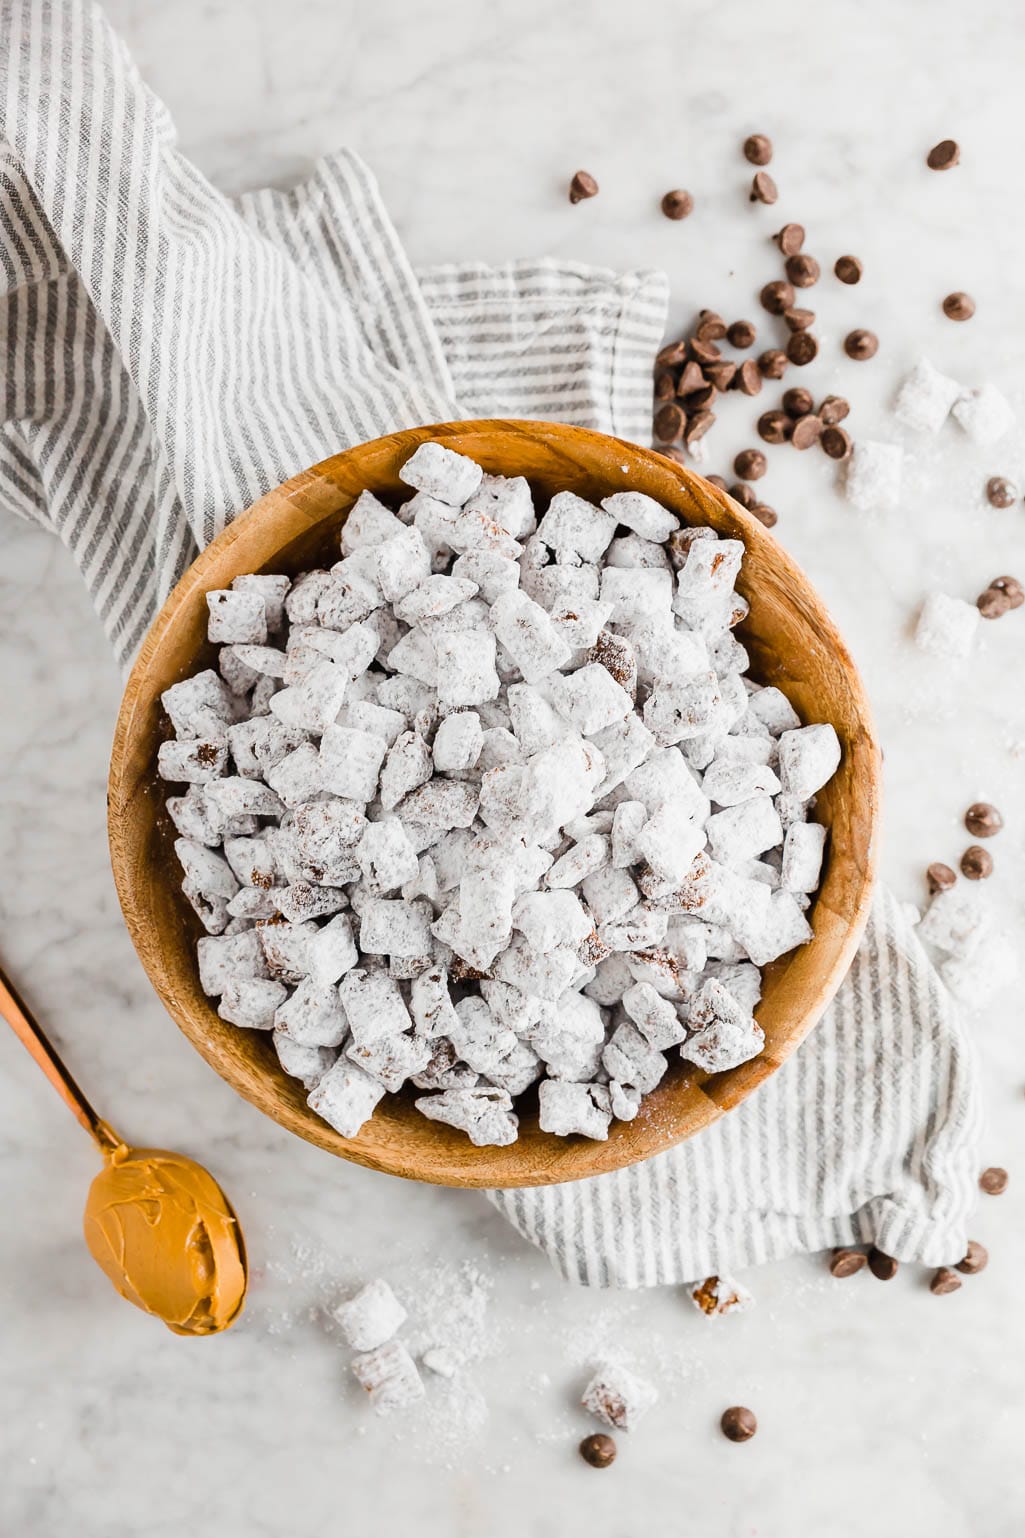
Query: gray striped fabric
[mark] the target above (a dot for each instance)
(173, 354)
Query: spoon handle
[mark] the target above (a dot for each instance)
(30, 1033)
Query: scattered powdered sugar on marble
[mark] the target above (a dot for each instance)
(491, 804)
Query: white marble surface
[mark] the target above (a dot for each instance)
(881, 1407)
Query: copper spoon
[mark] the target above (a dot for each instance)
(157, 1223)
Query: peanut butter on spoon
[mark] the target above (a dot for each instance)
(157, 1223)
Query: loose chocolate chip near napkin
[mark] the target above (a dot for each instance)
(172, 354)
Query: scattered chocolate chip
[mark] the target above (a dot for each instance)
(776, 296)
(983, 820)
(703, 351)
(834, 409)
(670, 451)
(835, 442)
(802, 348)
(748, 378)
(790, 239)
(669, 422)
(582, 186)
(797, 401)
(598, 1450)
(763, 188)
(993, 1181)
(741, 334)
(944, 1280)
(677, 204)
(750, 464)
(710, 327)
(943, 155)
(721, 374)
(1012, 588)
(744, 495)
(959, 306)
(848, 269)
(717, 480)
(940, 877)
(884, 1267)
(976, 1259)
(764, 514)
(797, 319)
(774, 426)
(773, 363)
(807, 430)
(665, 386)
(701, 399)
(1001, 492)
(992, 604)
(739, 1423)
(758, 149)
(672, 355)
(861, 345)
(844, 1262)
(802, 270)
(976, 863)
(692, 378)
(697, 426)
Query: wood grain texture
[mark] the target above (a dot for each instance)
(793, 644)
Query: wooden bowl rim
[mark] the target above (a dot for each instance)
(463, 1165)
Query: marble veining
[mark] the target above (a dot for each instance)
(879, 1406)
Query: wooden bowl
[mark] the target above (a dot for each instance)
(792, 643)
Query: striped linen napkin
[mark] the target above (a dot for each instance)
(173, 354)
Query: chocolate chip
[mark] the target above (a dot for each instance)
(992, 604)
(844, 1262)
(773, 363)
(861, 345)
(802, 348)
(993, 1181)
(1012, 588)
(774, 426)
(672, 355)
(721, 374)
(802, 270)
(983, 820)
(976, 1259)
(976, 863)
(834, 409)
(598, 1450)
(582, 186)
(744, 495)
(959, 306)
(939, 877)
(790, 239)
(738, 1423)
(1001, 492)
(748, 379)
(741, 334)
(703, 351)
(697, 426)
(763, 188)
(797, 319)
(776, 296)
(797, 401)
(943, 155)
(692, 378)
(750, 464)
(807, 430)
(884, 1267)
(710, 327)
(944, 1280)
(670, 451)
(717, 480)
(758, 149)
(669, 422)
(700, 400)
(835, 442)
(677, 204)
(665, 385)
(848, 269)
(764, 514)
